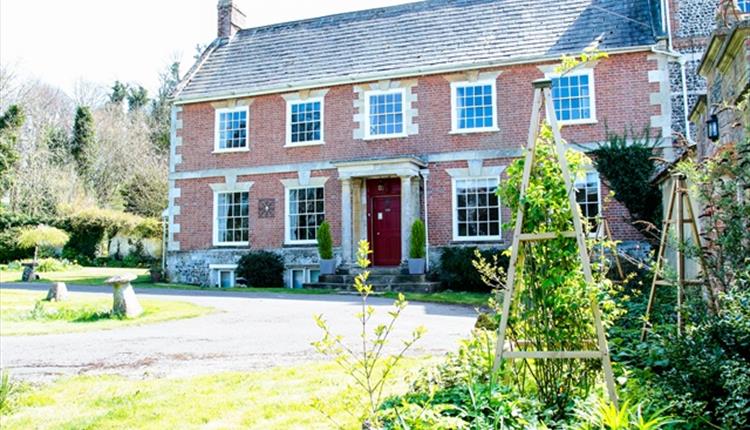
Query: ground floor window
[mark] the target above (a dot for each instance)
(305, 213)
(223, 275)
(232, 218)
(302, 275)
(476, 209)
(587, 195)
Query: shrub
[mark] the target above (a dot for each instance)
(627, 169)
(9, 248)
(41, 236)
(417, 240)
(262, 269)
(457, 271)
(325, 242)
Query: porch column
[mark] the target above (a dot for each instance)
(407, 215)
(346, 221)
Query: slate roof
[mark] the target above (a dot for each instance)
(412, 39)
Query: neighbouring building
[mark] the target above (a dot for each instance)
(373, 119)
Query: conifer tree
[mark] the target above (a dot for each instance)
(10, 124)
(83, 137)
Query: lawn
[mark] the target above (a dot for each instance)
(21, 315)
(97, 276)
(279, 398)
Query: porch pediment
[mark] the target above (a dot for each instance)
(375, 167)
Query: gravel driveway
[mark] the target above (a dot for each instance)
(248, 331)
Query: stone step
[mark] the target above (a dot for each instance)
(412, 287)
(374, 278)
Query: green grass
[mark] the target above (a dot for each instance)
(20, 314)
(279, 398)
(97, 275)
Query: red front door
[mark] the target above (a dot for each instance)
(384, 216)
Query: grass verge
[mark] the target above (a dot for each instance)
(24, 313)
(84, 276)
(278, 398)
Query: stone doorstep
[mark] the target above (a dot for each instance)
(411, 287)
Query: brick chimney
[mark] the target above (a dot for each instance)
(231, 19)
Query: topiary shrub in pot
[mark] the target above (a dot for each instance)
(325, 249)
(261, 269)
(417, 249)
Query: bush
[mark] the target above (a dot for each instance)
(9, 248)
(457, 272)
(262, 269)
(325, 242)
(417, 240)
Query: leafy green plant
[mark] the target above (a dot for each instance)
(551, 310)
(369, 366)
(7, 389)
(262, 269)
(41, 236)
(325, 241)
(627, 166)
(417, 240)
(604, 415)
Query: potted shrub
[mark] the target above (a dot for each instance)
(417, 249)
(325, 249)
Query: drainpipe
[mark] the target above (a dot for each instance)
(425, 175)
(670, 52)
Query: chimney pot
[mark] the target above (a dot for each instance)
(230, 18)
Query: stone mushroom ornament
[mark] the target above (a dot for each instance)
(57, 292)
(124, 303)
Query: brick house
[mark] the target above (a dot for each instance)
(375, 118)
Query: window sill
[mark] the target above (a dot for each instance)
(299, 145)
(311, 244)
(389, 136)
(231, 244)
(474, 130)
(229, 151)
(578, 122)
(477, 241)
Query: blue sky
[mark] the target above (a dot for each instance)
(61, 41)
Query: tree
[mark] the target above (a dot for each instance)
(119, 93)
(145, 194)
(137, 98)
(41, 236)
(83, 138)
(161, 107)
(10, 124)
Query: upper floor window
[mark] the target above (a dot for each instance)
(231, 219)
(587, 195)
(231, 129)
(385, 113)
(573, 97)
(305, 122)
(473, 106)
(476, 209)
(305, 211)
(744, 5)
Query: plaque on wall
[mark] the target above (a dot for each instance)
(266, 208)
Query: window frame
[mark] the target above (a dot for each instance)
(588, 71)
(404, 119)
(454, 106)
(289, 104)
(217, 114)
(739, 8)
(217, 269)
(454, 211)
(287, 221)
(599, 199)
(215, 220)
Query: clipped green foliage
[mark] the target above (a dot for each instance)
(417, 240)
(325, 241)
(83, 137)
(42, 236)
(262, 269)
(627, 168)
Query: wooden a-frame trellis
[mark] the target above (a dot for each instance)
(543, 97)
(679, 200)
(603, 233)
